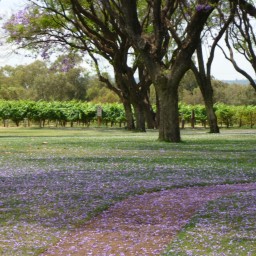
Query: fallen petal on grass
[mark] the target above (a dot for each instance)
(49, 191)
(143, 225)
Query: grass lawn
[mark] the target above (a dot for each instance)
(226, 226)
(53, 180)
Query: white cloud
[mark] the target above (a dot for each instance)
(7, 7)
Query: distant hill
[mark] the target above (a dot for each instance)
(237, 81)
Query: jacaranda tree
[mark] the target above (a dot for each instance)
(144, 28)
(55, 26)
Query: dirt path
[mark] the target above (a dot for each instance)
(141, 225)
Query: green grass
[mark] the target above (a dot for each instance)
(53, 180)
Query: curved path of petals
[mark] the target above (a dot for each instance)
(141, 225)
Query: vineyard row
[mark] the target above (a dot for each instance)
(86, 113)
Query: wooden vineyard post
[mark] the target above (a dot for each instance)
(99, 115)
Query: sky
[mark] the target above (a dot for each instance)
(221, 68)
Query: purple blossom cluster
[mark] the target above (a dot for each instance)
(203, 7)
(67, 64)
(64, 64)
(20, 18)
(20, 24)
(45, 53)
(14, 24)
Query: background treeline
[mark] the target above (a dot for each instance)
(78, 113)
(43, 81)
(224, 92)
(46, 81)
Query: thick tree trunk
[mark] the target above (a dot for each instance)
(212, 118)
(205, 85)
(207, 93)
(169, 113)
(193, 119)
(149, 114)
(129, 115)
(157, 118)
(139, 117)
(131, 96)
(150, 117)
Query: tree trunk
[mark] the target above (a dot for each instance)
(139, 117)
(149, 114)
(150, 117)
(157, 118)
(207, 93)
(128, 115)
(212, 118)
(205, 85)
(169, 113)
(193, 119)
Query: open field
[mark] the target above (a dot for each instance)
(53, 180)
